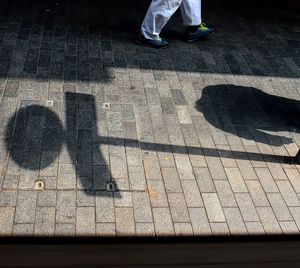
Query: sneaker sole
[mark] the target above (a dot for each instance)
(148, 45)
(197, 39)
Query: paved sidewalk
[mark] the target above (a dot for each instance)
(100, 136)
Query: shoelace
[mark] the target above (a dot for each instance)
(158, 38)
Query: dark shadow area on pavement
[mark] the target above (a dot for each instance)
(80, 40)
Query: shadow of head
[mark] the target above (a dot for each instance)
(250, 113)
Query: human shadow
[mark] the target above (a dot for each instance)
(250, 113)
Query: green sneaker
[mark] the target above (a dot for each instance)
(201, 33)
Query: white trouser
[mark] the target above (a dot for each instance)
(160, 11)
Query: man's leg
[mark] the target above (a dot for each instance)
(192, 18)
(158, 14)
(191, 12)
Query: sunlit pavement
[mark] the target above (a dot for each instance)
(100, 136)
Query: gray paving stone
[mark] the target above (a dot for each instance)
(255, 228)
(65, 229)
(137, 178)
(246, 206)
(191, 193)
(145, 229)
(125, 221)
(178, 207)
(10, 182)
(225, 193)
(142, 207)
(105, 229)
(184, 167)
(199, 221)
(44, 221)
(66, 177)
(157, 194)
(163, 221)
(151, 166)
(257, 193)
(6, 220)
(235, 221)
(8, 198)
(171, 179)
(184, 229)
(246, 169)
(26, 207)
(289, 227)
(219, 228)
(279, 207)
(85, 221)
(105, 211)
(294, 177)
(288, 193)
(296, 215)
(85, 198)
(204, 180)
(65, 208)
(269, 220)
(23, 229)
(123, 200)
(266, 180)
(236, 180)
(46, 198)
(213, 207)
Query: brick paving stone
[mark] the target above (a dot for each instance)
(199, 221)
(296, 215)
(105, 229)
(142, 207)
(204, 180)
(171, 179)
(26, 207)
(28, 177)
(213, 207)
(123, 200)
(255, 228)
(184, 167)
(6, 220)
(294, 177)
(151, 166)
(246, 206)
(266, 180)
(66, 177)
(157, 193)
(10, 182)
(246, 170)
(289, 227)
(179, 210)
(225, 193)
(269, 220)
(85, 221)
(65, 229)
(236, 180)
(85, 198)
(226, 156)
(288, 193)
(44, 221)
(145, 229)
(66, 207)
(163, 221)
(191, 193)
(137, 178)
(125, 221)
(279, 207)
(46, 198)
(257, 193)
(219, 228)
(105, 211)
(8, 198)
(183, 229)
(235, 221)
(118, 166)
(23, 229)
(277, 172)
(216, 169)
